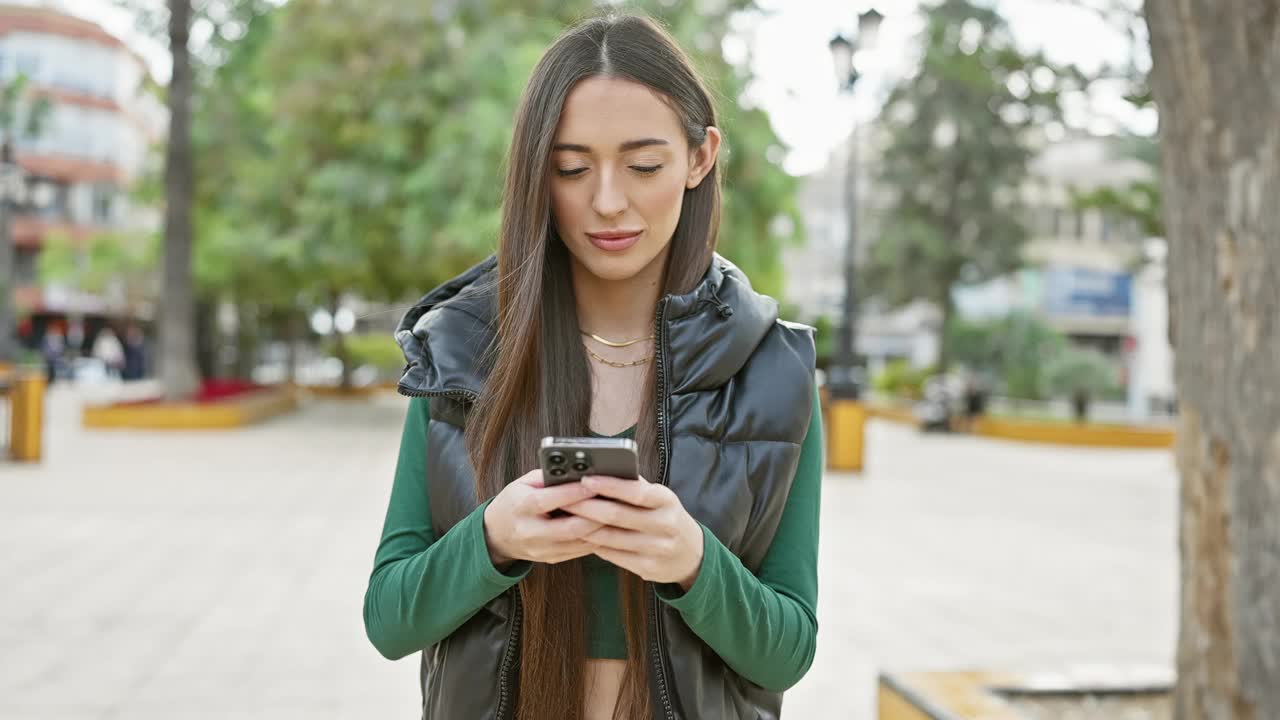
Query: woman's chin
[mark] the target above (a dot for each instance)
(612, 266)
(614, 269)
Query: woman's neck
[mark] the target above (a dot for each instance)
(618, 309)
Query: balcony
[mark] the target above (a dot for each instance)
(30, 232)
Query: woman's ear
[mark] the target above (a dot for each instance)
(704, 157)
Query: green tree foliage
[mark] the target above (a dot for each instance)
(390, 123)
(1015, 349)
(958, 152)
(354, 147)
(1079, 371)
(103, 263)
(1139, 200)
(900, 378)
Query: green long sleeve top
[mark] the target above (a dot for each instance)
(764, 626)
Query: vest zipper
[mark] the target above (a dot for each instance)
(656, 647)
(509, 656)
(505, 709)
(459, 394)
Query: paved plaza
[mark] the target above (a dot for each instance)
(221, 574)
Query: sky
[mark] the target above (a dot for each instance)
(786, 44)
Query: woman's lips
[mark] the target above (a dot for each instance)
(614, 242)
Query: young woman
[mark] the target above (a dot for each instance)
(690, 593)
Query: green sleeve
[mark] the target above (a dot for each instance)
(423, 588)
(764, 627)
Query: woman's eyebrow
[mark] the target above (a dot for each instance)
(624, 147)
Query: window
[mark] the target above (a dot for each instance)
(104, 196)
(28, 63)
(24, 268)
(48, 199)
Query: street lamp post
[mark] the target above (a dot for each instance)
(844, 381)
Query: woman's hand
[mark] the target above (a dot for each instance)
(517, 525)
(644, 529)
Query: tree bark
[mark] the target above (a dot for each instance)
(8, 270)
(246, 339)
(340, 345)
(947, 306)
(177, 305)
(292, 336)
(207, 338)
(1216, 79)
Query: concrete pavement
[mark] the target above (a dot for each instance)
(221, 575)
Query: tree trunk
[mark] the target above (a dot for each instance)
(340, 345)
(292, 336)
(948, 308)
(207, 341)
(177, 306)
(1216, 79)
(8, 271)
(246, 340)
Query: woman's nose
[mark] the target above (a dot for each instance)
(610, 198)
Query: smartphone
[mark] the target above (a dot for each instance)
(567, 459)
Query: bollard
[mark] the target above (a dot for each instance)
(845, 436)
(26, 418)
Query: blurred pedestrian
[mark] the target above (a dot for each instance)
(75, 339)
(975, 401)
(107, 349)
(135, 359)
(52, 348)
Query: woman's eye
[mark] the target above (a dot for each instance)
(642, 169)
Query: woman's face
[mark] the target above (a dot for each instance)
(620, 165)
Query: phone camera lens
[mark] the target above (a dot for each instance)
(557, 472)
(556, 458)
(581, 466)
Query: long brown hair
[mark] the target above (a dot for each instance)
(539, 381)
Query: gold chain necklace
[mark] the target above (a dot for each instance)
(610, 343)
(614, 363)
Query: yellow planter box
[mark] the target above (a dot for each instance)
(231, 413)
(893, 413)
(988, 695)
(1076, 434)
(1053, 433)
(333, 391)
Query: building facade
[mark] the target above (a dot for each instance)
(102, 122)
(1090, 276)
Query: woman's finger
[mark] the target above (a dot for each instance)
(619, 539)
(544, 500)
(640, 493)
(561, 552)
(633, 563)
(612, 512)
(571, 528)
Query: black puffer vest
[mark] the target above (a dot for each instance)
(735, 391)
